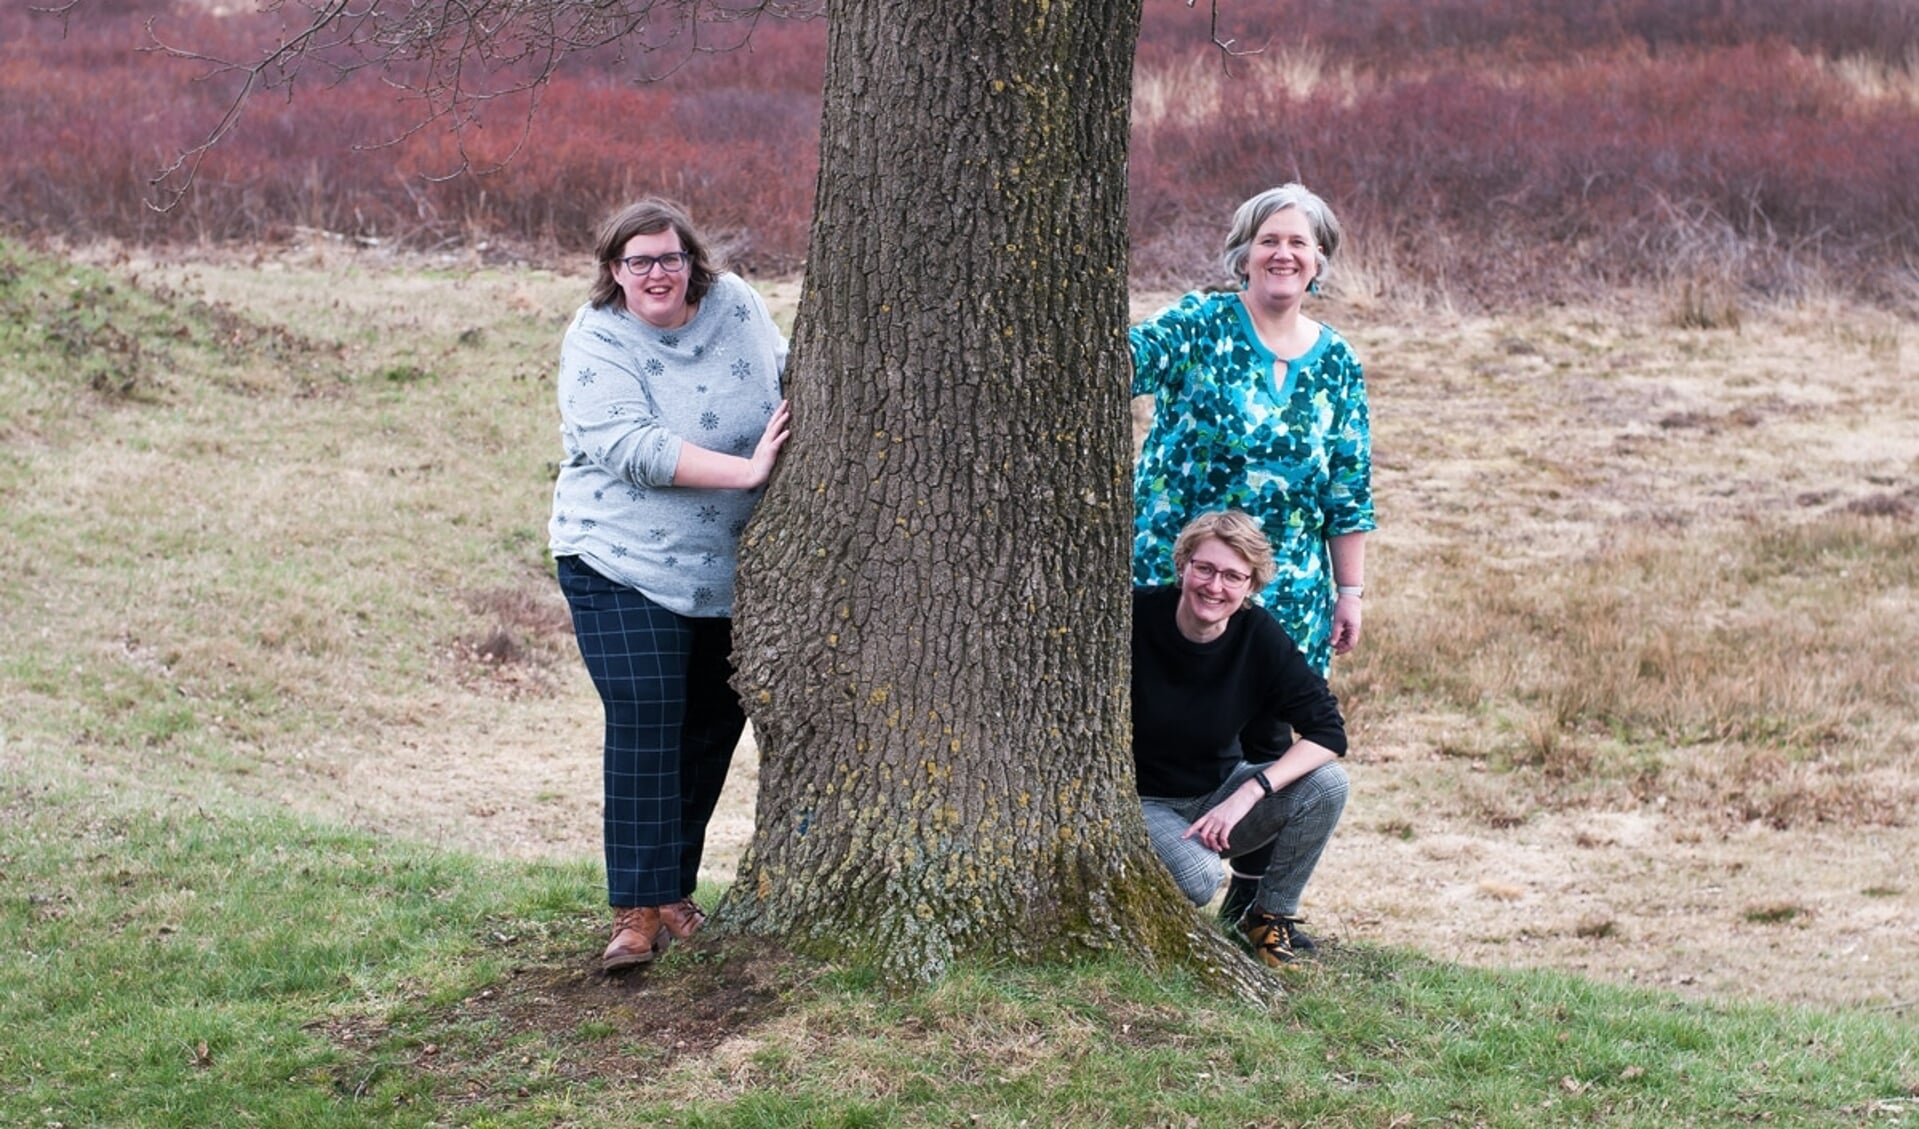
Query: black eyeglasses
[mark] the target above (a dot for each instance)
(1232, 578)
(673, 262)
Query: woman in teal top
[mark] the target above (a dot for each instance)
(1261, 409)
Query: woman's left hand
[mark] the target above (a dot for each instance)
(768, 449)
(1214, 830)
(1346, 615)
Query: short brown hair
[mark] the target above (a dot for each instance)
(650, 217)
(1237, 532)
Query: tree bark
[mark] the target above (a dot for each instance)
(934, 605)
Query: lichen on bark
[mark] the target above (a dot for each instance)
(934, 599)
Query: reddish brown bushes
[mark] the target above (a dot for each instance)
(1619, 169)
(88, 122)
(1398, 35)
(1496, 150)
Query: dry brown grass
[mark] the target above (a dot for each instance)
(1640, 634)
(1191, 94)
(1877, 81)
(1639, 658)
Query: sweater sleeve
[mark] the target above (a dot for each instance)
(1348, 501)
(1297, 695)
(606, 412)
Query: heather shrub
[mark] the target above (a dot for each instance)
(1392, 36)
(1580, 175)
(1482, 152)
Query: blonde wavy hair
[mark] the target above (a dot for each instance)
(1237, 532)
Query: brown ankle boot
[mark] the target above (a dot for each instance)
(638, 937)
(682, 919)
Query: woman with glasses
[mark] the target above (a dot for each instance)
(1259, 408)
(1208, 665)
(671, 416)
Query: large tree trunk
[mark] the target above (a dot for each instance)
(934, 598)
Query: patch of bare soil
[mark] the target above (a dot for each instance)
(630, 1027)
(1529, 443)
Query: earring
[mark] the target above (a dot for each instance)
(1313, 286)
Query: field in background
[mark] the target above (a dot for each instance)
(1635, 287)
(1637, 694)
(1485, 155)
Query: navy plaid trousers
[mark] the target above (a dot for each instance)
(672, 721)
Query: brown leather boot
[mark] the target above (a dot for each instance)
(682, 919)
(638, 937)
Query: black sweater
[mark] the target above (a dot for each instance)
(1191, 700)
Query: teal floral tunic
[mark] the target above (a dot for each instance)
(1294, 453)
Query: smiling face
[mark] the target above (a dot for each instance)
(1212, 586)
(1283, 259)
(657, 297)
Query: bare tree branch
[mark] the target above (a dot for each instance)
(1229, 48)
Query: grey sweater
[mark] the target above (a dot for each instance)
(630, 396)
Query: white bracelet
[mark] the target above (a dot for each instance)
(1356, 591)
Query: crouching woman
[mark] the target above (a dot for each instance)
(1210, 671)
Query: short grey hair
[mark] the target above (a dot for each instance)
(1256, 211)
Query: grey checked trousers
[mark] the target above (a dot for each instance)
(1298, 820)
